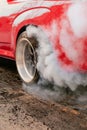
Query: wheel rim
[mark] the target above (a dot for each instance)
(26, 60)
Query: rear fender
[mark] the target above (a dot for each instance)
(28, 17)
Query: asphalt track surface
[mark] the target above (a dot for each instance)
(20, 110)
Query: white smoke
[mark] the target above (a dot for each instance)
(48, 65)
(78, 19)
(43, 90)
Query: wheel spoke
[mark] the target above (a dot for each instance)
(30, 50)
(30, 60)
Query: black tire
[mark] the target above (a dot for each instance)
(26, 58)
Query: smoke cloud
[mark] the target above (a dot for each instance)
(48, 65)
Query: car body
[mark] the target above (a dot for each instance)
(64, 22)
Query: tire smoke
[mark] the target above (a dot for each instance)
(51, 72)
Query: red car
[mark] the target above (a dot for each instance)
(25, 25)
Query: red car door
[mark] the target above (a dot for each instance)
(5, 22)
(8, 11)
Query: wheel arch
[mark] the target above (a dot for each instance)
(16, 33)
(22, 29)
(29, 17)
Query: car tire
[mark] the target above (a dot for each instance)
(26, 58)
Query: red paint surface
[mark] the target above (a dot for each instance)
(8, 34)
